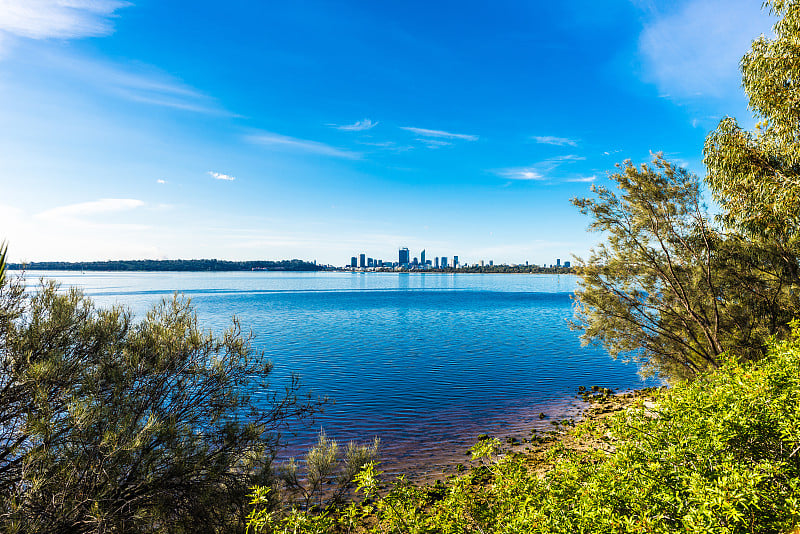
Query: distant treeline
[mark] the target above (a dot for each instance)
(169, 265)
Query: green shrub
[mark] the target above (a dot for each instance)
(109, 424)
(718, 455)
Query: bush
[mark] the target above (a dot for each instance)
(107, 424)
(720, 455)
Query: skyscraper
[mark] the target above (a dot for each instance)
(403, 256)
(455, 262)
(444, 262)
(436, 263)
(362, 260)
(353, 262)
(422, 257)
(558, 262)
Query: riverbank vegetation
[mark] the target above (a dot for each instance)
(718, 454)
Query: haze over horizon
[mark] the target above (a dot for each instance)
(311, 130)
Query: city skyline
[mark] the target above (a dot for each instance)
(407, 261)
(180, 130)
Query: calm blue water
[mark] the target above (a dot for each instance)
(424, 361)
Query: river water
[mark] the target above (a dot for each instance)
(426, 362)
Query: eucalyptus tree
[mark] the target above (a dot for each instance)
(676, 289)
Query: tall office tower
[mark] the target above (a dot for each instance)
(370, 262)
(362, 260)
(403, 256)
(481, 263)
(455, 262)
(353, 262)
(567, 264)
(422, 257)
(491, 262)
(444, 262)
(436, 262)
(558, 262)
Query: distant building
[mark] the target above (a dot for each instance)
(370, 262)
(455, 262)
(491, 263)
(422, 257)
(481, 263)
(567, 264)
(436, 262)
(353, 262)
(558, 262)
(444, 262)
(415, 262)
(362, 260)
(403, 260)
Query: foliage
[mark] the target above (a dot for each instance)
(720, 454)
(306, 497)
(756, 175)
(668, 288)
(107, 424)
(678, 289)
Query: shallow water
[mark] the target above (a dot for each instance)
(426, 362)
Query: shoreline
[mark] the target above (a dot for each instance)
(529, 437)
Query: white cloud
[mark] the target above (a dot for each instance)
(551, 140)
(567, 157)
(585, 179)
(274, 140)
(161, 181)
(60, 19)
(439, 133)
(522, 173)
(220, 176)
(138, 83)
(95, 207)
(695, 50)
(358, 126)
(434, 143)
(543, 170)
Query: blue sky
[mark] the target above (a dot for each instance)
(319, 130)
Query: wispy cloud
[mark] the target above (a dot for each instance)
(695, 50)
(284, 142)
(566, 157)
(439, 133)
(358, 126)
(220, 176)
(551, 140)
(521, 173)
(138, 83)
(60, 19)
(161, 181)
(434, 143)
(543, 170)
(584, 179)
(95, 207)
